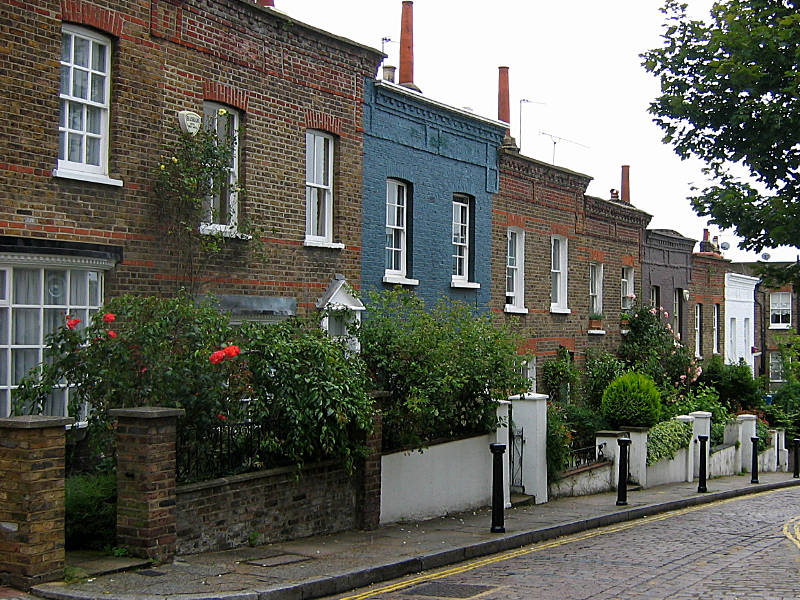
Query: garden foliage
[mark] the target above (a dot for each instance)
(560, 377)
(632, 400)
(90, 503)
(735, 384)
(701, 398)
(600, 369)
(559, 439)
(666, 438)
(443, 368)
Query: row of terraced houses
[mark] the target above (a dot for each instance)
(355, 182)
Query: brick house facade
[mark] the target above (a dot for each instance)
(706, 306)
(559, 255)
(91, 92)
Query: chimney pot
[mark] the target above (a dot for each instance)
(270, 3)
(614, 194)
(626, 184)
(406, 78)
(388, 73)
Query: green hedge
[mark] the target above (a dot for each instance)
(90, 511)
(666, 438)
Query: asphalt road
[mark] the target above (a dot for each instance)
(746, 547)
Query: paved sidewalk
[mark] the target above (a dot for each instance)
(331, 564)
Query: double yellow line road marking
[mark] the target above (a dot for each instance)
(791, 530)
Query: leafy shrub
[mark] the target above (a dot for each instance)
(764, 437)
(631, 399)
(560, 377)
(702, 398)
(90, 511)
(559, 439)
(308, 392)
(444, 368)
(735, 384)
(650, 347)
(599, 370)
(666, 438)
(583, 422)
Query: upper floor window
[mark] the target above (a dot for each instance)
(595, 289)
(220, 211)
(558, 274)
(780, 310)
(461, 239)
(627, 290)
(698, 330)
(396, 205)
(319, 188)
(84, 99)
(515, 270)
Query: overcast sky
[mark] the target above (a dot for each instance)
(579, 59)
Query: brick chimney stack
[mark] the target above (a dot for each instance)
(706, 245)
(504, 108)
(625, 190)
(407, 46)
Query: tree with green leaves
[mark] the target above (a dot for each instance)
(730, 96)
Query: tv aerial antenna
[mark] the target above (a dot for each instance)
(556, 138)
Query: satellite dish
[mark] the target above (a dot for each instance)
(724, 245)
(765, 256)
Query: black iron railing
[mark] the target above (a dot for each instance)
(581, 457)
(218, 450)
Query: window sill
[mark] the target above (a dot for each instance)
(399, 280)
(560, 310)
(466, 285)
(224, 231)
(781, 326)
(517, 310)
(90, 177)
(309, 243)
(596, 332)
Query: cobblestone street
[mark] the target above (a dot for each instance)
(740, 548)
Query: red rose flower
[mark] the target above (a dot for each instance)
(71, 323)
(109, 317)
(222, 417)
(112, 334)
(231, 351)
(217, 357)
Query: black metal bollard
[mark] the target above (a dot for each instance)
(701, 484)
(497, 451)
(754, 462)
(622, 483)
(796, 469)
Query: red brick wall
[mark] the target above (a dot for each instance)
(169, 56)
(706, 287)
(545, 201)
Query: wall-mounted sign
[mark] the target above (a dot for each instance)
(189, 121)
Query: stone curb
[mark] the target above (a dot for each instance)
(343, 582)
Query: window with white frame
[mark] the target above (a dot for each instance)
(677, 313)
(780, 310)
(319, 188)
(396, 229)
(595, 289)
(34, 302)
(515, 270)
(558, 274)
(732, 355)
(220, 211)
(716, 328)
(698, 330)
(777, 374)
(655, 295)
(84, 98)
(626, 287)
(462, 230)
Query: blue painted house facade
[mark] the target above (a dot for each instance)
(430, 171)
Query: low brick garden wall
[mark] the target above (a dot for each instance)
(266, 506)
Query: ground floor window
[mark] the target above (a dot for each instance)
(35, 299)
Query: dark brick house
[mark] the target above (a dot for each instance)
(705, 334)
(91, 89)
